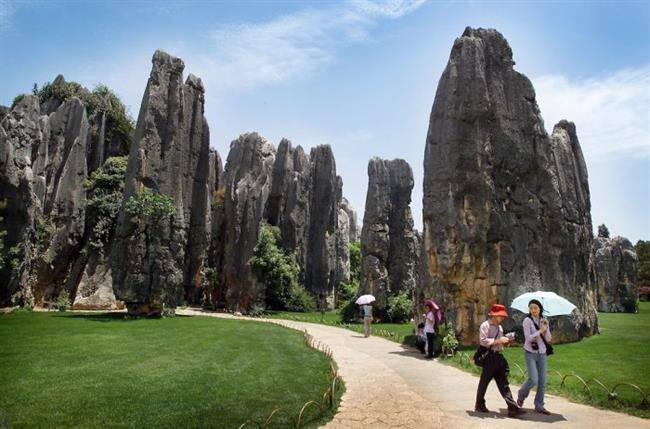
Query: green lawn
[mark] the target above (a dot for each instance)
(620, 354)
(88, 370)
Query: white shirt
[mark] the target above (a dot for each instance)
(429, 324)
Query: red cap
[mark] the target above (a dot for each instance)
(498, 310)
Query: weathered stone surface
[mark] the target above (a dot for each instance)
(342, 248)
(305, 203)
(506, 207)
(289, 199)
(352, 220)
(320, 265)
(157, 264)
(247, 182)
(65, 199)
(44, 169)
(22, 132)
(388, 241)
(95, 289)
(614, 273)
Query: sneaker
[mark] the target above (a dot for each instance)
(544, 411)
(520, 403)
(515, 412)
(481, 409)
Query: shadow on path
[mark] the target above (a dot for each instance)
(530, 415)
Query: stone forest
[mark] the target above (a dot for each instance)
(144, 216)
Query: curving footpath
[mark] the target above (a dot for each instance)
(391, 386)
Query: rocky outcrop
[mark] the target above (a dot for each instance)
(305, 203)
(288, 205)
(352, 220)
(156, 262)
(320, 265)
(44, 169)
(23, 132)
(506, 206)
(388, 241)
(614, 274)
(247, 183)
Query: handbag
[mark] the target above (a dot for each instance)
(549, 347)
(482, 352)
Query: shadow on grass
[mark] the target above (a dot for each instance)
(530, 415)
(110, 317)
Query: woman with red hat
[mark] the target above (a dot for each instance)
(495, 365)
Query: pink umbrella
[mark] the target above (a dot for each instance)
(431, 303)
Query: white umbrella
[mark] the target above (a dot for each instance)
(554, 304)
(365, 299)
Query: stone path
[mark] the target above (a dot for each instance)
(392, 386)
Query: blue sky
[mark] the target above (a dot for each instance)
(360, 75)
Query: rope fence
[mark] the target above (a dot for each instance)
(589, 386)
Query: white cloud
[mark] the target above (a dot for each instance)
(611, 112)
(6, 10)
(294, 45)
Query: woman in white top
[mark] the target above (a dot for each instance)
(537, 334)
(429, 328)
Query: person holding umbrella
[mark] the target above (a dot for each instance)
(365, 301)
(538, 335)
(495, 365)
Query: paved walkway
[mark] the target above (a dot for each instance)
(392, 386)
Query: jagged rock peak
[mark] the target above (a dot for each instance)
(389, 245)
(505, 205)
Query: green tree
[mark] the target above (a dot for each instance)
(355, 260)
(400, 308)
(279, 273)
(643, 264)
(150, 207)
(119, 122)
(603, 231)
(104, 199)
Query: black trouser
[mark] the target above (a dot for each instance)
(430, 337)
(495, 367)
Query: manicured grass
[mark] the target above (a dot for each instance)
(68, 370)
(620, 354)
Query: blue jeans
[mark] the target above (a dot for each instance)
(536, 363)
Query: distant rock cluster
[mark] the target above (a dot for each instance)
(506, 206)
(614, 274)
(198, 254)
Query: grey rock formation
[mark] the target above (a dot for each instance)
(352, 220)
(22, 132)
(94, 291)
(388, 241)
(320, 264)
(342, 248)
(506, 207)
(614, 273)
(43, 171)
(305, 203)
(289, 199)
(247, 182)
(157, 263)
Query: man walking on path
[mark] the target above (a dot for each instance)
(495, 365)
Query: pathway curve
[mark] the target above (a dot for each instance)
(391, 386)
